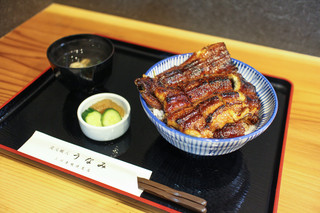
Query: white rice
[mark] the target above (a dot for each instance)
(158, 113)
(250, 129)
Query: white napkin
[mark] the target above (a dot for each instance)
(99, 167)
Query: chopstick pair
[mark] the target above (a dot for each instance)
(181, 198)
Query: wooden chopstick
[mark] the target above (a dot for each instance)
(186, 200)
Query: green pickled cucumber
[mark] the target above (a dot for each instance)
(92, 117)
(110, 116)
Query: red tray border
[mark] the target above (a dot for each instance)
(148, 202)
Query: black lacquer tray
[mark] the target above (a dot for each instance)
(244, 181)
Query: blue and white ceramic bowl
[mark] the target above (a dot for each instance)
(213, 147)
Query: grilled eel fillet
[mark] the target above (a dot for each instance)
(205, 96)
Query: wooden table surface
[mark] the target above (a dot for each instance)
(25, 188)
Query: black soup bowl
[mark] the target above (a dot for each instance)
(81, 62)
